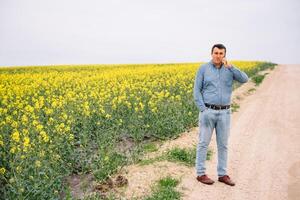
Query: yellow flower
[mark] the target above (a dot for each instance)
(42, 153)
(50, 121)
(141, 105)
(39, 127)
(24, 119)
(71, 137)
(54, 104)
(12, 150)
(108, 116)
(106, 158)
(14, 124)
(178, 97)
(8, 119)
(48, 111)
(16, 136)
(2, 170)
(37, 105)
(38, 164)
(18, 169)
(34, 122)
(11, 180)
(154, 110)
(64, 116)
(25, 132)
(56, 157)
(26, 142)
(67, 128)
(44, 135)
(62, 125)
(29, 109)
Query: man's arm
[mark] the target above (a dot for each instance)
(238, 75)
(198, 86)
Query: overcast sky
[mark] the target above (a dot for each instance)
(40, 32)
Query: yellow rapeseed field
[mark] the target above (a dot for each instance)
(60, 120)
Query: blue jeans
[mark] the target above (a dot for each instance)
(209, 120)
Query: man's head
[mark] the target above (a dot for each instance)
(218, 52)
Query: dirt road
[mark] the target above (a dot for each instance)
(264, 146)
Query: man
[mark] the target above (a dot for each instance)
(212, 95)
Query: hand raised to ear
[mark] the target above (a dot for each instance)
(226, 63)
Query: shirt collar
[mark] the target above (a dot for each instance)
(211, 62)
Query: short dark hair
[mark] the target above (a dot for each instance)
(219, 46)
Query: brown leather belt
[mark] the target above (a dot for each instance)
(217, 107)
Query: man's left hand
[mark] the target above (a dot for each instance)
(226, 63)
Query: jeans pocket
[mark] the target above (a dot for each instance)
(228, 111)
(204, 110)
(202, 114)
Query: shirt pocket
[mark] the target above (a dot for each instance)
(210, 79)
(228, 82)
(228, 79)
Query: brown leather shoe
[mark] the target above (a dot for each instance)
(226, 179)
(204, 179)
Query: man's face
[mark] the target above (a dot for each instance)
(218, 55)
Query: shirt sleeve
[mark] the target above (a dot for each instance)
(198, 86)
(239, 75)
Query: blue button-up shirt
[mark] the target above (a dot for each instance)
(214, 85)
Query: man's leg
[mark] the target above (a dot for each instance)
(222, 135)
(206, 126)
